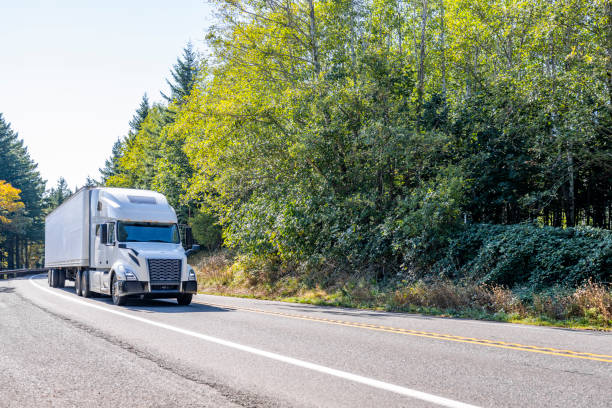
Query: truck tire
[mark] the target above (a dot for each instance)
(53, 279)
(61, 279)
(49, 278)
(184, 299)
(77, 283)
(117, 300)
(85, 292)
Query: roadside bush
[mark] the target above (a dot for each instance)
(213, 267)
(206, 230)
(446, 295)
(592, 301)
(526, 254)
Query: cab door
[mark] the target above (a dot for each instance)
(104, 253)
(96, 277)
(98, 245)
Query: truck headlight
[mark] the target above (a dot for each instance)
(129, 275)
(192, 275)
(126, 272)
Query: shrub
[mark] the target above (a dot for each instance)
(446, 295)
(593, 300)
(206, 230)
(525, 254)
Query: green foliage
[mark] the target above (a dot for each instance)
(151, 156)
(358, 135)
(425, 221)
(111, 165)
(56, 195)
(527, 254)
(20, 171)
(140, 115)
(206, 230)
(184, 74)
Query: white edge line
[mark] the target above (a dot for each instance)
(445, 402)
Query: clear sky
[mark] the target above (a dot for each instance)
(72, 73)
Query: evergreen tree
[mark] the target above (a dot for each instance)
(184, 75)
(91, 182)
(20, 171)
(111, 165)
(140, 115)
(57, 195)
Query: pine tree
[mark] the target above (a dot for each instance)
(57, 194)
(184, 75)
(111, 165)
(140, 115)
(91, 182)
(18, 169)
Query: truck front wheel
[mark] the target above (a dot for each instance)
(117, 300)
(184, 299)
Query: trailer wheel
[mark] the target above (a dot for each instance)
(53, 278)
(77, 283)
(184, 299)
(49, 277)
(117, 300)
(61, 279)
(85, 292)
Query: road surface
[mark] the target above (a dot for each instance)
(57, 349)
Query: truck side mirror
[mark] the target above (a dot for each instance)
(103, 233)
(188, 237)
(194, 248)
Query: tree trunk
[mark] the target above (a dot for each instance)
(11, 252)
(313, 38)
(571, 215)
(25, 253)
(17, 254)
(609, 56)
(352, 41)
(443, 44)
(421, 72)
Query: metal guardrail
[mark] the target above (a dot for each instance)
(14, 273)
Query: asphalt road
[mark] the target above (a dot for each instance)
(57, 349)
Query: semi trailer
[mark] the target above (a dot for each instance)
(118, 242)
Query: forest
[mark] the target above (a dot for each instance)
(333, 142)
(393, 138)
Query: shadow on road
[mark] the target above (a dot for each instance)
(152, 305)
(333, 310)
(6, 289)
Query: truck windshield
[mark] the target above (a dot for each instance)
(147, 232)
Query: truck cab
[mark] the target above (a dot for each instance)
(136, 247)
(130, 240)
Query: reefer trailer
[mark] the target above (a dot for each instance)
(118, 242)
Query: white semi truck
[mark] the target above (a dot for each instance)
(118, 242)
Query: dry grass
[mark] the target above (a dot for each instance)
(446, 295)
(593, 300)
(221, 272)
(213, 268)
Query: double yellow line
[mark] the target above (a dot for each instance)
(431, 335)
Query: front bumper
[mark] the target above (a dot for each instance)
(157, 289)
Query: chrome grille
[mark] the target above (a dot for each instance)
(164, 269)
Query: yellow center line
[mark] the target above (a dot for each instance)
(431, 335)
